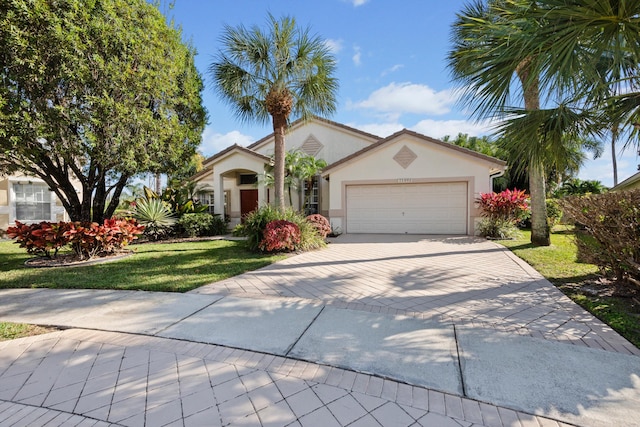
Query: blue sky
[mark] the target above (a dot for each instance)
(391, 67)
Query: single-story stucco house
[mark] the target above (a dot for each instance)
(405, 183)
(29, 200)
(631, 183)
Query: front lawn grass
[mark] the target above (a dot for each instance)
(10, 331)
(161, 267)
(559, 264)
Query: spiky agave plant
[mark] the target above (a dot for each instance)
(156, 216)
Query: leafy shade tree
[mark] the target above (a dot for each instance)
(275, 74)
(94, 92)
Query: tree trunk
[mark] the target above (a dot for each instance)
(279, 128)
(539, 226)
(614, 138)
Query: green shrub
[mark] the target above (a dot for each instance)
(256, 222)
(497, 228)
(202, 224)
(554, 212)
(613, 222)
(156, 217)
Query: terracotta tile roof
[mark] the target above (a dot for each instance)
(422, 137)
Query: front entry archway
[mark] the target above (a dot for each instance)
(248, 202)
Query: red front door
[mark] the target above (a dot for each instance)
(248, 202)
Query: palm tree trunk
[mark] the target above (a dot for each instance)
(539, 226)
(279, 127)
(614, 138)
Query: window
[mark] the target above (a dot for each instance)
(206, 199)
(248, 178)
(311, 197)
(33, 202)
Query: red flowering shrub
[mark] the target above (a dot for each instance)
(42, 239)
(507, 206)
(280, 235)
(86, 239)
(91, 239)
(321, 224)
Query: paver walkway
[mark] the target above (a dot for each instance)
(374, 330)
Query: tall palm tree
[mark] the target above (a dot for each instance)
(488, 50)
(552, 48)
(275, 74)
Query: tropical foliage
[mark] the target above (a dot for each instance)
(280, 235)
(501, 212)
(554, 49)
(300, 170)
(274, 74)
(578, 187)
(156, 217)
(86, 239)
(94, 92)
(255, 224)
(202, 224)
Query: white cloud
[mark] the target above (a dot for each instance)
(334, 46)
(401, 98)
(356, 3)
(357, 57)
(440, 128)
(213, 142)
(392, 69)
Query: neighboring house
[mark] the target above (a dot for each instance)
(630, 183)
(27, 199)
(405, 183)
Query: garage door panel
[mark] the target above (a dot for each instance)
(434, 208)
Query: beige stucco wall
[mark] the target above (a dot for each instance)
(433, 163)
(337, 142)
(7, 210)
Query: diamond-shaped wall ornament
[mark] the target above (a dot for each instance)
(405, 157)
(311, 146)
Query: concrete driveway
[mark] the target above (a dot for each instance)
(374, 330)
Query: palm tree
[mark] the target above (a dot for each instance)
(552, 47)
(276, 74)
(489, 40)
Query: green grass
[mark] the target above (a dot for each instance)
(169, 267)
(10, 331)
(559, 264)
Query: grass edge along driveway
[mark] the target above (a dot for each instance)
(159, 267)
(559, 264)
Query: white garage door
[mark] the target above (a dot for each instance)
(435, 208)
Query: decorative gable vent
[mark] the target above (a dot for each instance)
(311, 146)
(405, 157)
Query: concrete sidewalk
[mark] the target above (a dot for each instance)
(482, 340)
